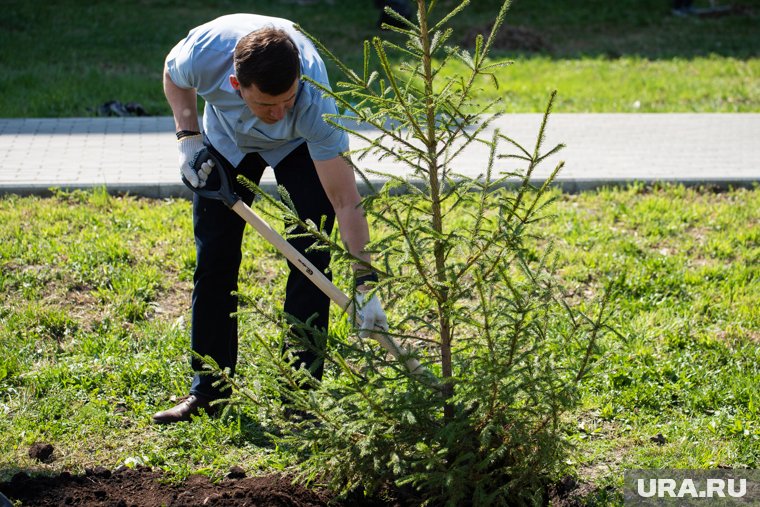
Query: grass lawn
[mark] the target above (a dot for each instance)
(94, 309)
(65, 58)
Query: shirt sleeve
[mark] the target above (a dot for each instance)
(179, 65)
(200, 66)
(324, 140)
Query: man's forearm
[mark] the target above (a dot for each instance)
(337, 177)
(355, 233)
(183, 103)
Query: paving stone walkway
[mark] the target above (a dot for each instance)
(138, 155)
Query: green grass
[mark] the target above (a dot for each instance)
(687, 299)
(94, 310)
(65, 58)
(630, 84)
(93, 325)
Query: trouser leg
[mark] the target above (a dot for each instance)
(304, 300)
(218, 237)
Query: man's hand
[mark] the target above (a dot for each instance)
(188, 149)
(370, 315)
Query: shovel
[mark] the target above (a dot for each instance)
(226, 194)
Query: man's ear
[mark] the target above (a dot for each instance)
(234, 82)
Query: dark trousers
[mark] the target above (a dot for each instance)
(218, 238)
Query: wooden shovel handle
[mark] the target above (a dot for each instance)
(321, 281)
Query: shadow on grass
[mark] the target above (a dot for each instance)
(642, 28)
(251, 431)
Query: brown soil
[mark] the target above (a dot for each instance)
(41, 452)
(144, 487)
(570, 493)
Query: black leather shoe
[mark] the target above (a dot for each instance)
(188, 406)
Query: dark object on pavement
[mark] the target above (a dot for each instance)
(116, 108)
(41, 452)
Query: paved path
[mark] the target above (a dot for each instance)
(137, 155)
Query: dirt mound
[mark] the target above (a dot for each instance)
(145, 487)
(509, 38)
(41, 452)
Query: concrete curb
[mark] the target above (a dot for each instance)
(566, 185)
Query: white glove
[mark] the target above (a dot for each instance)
(370, 314)
(189, 147)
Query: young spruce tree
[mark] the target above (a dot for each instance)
(465, 284)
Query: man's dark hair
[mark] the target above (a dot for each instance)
(268, 58)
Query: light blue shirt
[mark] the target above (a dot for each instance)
(203, 60)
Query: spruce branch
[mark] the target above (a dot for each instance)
(489, 171)
(458, 9)
(387, 68)
(347, 71)
(310, 229)
(413, 29)
(416, 259)
(494, 30)
(378, 123)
